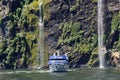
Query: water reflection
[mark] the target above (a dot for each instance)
(72, 74)
(59, 74)
(103, 74)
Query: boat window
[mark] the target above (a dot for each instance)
(58, 59)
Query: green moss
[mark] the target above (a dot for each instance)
(23, 32)
(93, 57)
(93, 62)
(115, 26)
(94, 0)
(2, 48)
(76, 27)
(33, 22)
(16, 48)
(20, 35)
(115, 22)
(32, 43)
(12, 28)
(92, 15)
(0, 20)
(73, 8)
(116, 46)
(72, 35)
(34, 6)
(46, 55)
(29, 17)
(46, 9)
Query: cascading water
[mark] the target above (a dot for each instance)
(101, 47)
(40, 54)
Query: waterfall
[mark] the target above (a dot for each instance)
(101, 47)
(40, 54)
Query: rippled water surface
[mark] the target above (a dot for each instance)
(72, 74)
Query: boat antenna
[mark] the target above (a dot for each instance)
(54, 54)
(58, 53)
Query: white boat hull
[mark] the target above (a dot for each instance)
(58, 67)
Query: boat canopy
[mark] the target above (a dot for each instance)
(57, 62)
(60, 57)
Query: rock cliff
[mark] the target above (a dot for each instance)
(70, 26)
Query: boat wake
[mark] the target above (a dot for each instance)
(24, 71)
(30, 71)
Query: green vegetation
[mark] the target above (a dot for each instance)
(73, 8)
(116, 27)
(19, 47)
(115, 22)
(94, 0)
(20, 51)
(46, 9)
(72, 35)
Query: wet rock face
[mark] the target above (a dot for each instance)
(1, 66)
(84, 12)
(114, 6)
(112, 38)
(62, 11)
(4, 2)
(1, 35)
(80, 13)
(4, 9)
(8, 5)
(53, 36)
(80, 60)
(113, 59)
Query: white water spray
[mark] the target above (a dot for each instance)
(101, 47)
(40, 55)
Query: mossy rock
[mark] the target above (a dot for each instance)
(2, 48)
(94, 0)
(115, 22)
(34, 7)
(76, 27)
(73, 8)
(20, 35)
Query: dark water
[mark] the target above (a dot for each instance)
(72, 74)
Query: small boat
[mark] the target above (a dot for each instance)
(58, 63)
